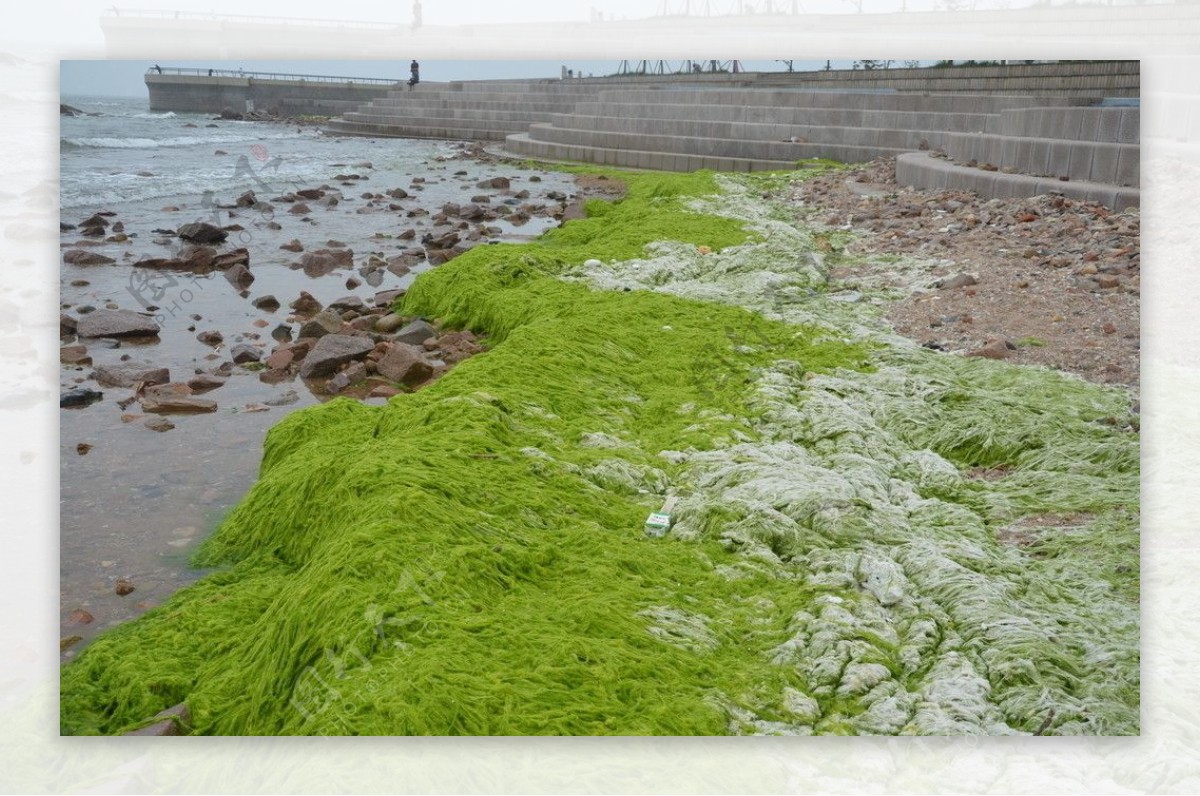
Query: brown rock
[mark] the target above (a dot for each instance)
(159, 424)
(123, 586)
(404, 363)
(129, 375)
(280, 359)
(81, 617)
(211, 337)
(177, 404)
(81, 257)
(305, 304)
(74, 355)
(205, 382)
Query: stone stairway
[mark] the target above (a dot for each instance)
(998, 145)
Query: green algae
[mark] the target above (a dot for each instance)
(469, 559)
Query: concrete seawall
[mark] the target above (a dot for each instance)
(286, 96)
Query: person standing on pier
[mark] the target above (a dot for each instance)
(415, 72)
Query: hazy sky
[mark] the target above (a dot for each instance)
(126, 78)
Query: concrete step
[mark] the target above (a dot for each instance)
(521, 145)
(917, 103)
(451, 133)
(921, 170)
(1077, 160)
(817, 117)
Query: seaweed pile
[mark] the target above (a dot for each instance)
(870, 538)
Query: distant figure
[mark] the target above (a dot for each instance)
(241, 73)
(415, 74)
(210, 73)
(416, 14)
(158, 69)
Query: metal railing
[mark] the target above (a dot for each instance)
(240, 73)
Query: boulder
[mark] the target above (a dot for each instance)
(205, 382)
(405, 364)
(232, 258)
(74, 355)
(959, 280)
(494, 182)
(324, 261)
(267, 303)
(243, 353)
(81, 257)
(130, 375)
(172, 404)
(294, 245)
(247, 199)
(389, 323)
(80, 396)
(201, 232)
(239, 276)
(347, 303)
(116, 323)
(323, 323)
(385, 298)
(416, 333)
(305, 304)
(211, 337)
(332, 351)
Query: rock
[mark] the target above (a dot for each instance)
(282, 332)
(347, 303)
(352, 283)
(1106, 281)
(243, 353)
(130, 375)
(324, 261)
(239, 276)
(385, 298)
(204, 382)
(68, 641)
(246, 200)
(397, 193)
(211, 337)
(232, 258)
(281, 359)
(66, 325)
(383, 391)
(416, 333)
(959, 280)
(305, 304)
(80, 617)
(116, 323)
(404, 363)
(267, 303)
(74, 355)
(495, 182)
(1108, 328)
(81, 257)
(389, 323)
(83, 448)
(123, 586)
(201, 232)
(169, 404)
(332, 351)
(95, 220)
(293, 245)
(159, 424)
(994, 349)
(325, 322)
(285, 399)
(299, 209)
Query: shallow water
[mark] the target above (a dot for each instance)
(137, 503)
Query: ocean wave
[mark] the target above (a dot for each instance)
(167, 115)
(138, 142)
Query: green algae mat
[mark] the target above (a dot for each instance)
(869, 537)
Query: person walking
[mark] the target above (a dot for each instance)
(415, 74)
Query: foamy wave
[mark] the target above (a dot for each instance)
(167, 115)
(177, 141)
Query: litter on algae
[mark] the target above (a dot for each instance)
(470, 559)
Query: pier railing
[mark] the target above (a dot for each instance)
(239, 73)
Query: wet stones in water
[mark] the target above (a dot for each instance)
(244, 353)
(324, 322)
(204, 382)
(81, 396)
(74, 355)
(305, 304)
(80, 617)
(498, 183)
(123, 586)
(116, 323)
(211, 337)
(282, 332)
(81, 257)
(201, 232)
(325, 261)
(266, 303)
(239, 276)
(159, 424)
(293, 245)
(130, 375)
(347, 303)
(83, 448)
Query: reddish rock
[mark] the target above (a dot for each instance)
(130, 375)
(81, 617)
(74, 355)
(305, 304)
(123, 586)
(281, 359)
(404, 363)
(205, 382)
